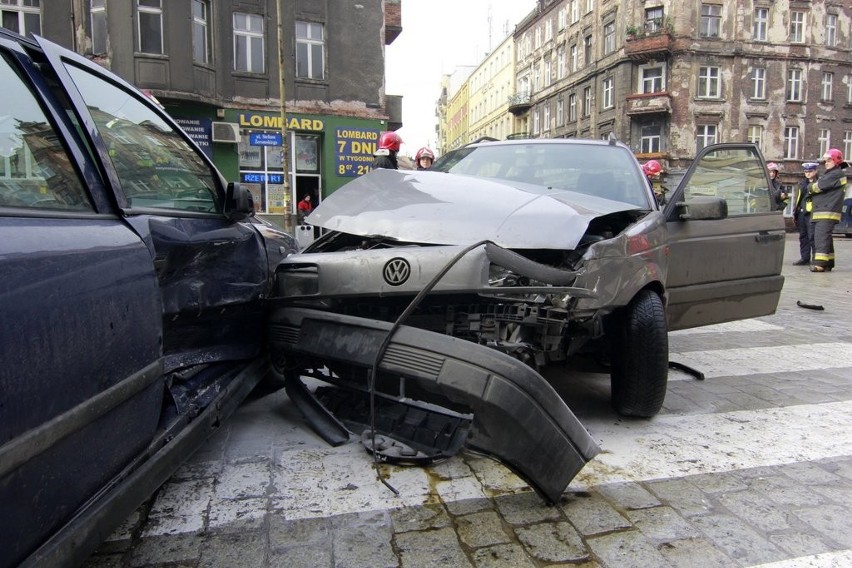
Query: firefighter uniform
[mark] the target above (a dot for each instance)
(826, 203)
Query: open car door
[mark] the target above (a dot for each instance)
(727, 267)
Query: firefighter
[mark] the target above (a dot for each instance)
(777, 194)
(802, 215)
(826, 197)
(652, 169)
(389, 144)
(424, 158)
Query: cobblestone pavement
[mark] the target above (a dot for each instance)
(750, 467)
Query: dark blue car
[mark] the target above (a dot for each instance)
(131, 300)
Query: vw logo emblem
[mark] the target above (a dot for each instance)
(396, 271)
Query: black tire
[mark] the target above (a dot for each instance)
(640, 356)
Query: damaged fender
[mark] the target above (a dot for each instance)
(518, 418)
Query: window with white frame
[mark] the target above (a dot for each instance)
(711, 20)
(824, 139)
(21, 16)
(536, 122)
(652, 78)
(537, 76)
(546, 116)
(758, 83)
(761, 24)
(794, 85)
(572, 108)
(608, 93)
(797, 26)
(709, 82)
(560, 111)
(150, 26)
(755, 135)
(590, 5)
(200, 31)
(560, 19)
(97, 13)
(548, 75)
(248, 43)
(827, 91)
(548, 30)
(587, 49)
(310, 50)
(538, 38)
(650, 138)
(587, 101)
(575, 11)
(560, 62)
(847, 143)
(573, 58)
(791, 142)
(653, 19)
(706, 134)
(609, 37)
(831, 30)
(849, 89)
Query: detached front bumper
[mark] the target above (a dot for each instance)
(518, 418)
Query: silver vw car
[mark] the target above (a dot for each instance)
(435, 301)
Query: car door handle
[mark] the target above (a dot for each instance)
(767, 237)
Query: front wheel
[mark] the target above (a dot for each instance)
(640, 356)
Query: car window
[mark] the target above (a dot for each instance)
(157, 168)
(735, 174)
(599, 170)
(35, 170)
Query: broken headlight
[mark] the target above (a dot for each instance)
(298, 281)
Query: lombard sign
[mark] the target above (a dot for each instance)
(273, 122)
(355, 148)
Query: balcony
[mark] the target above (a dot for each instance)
(648, 103)
(643, 47)
(519, 104)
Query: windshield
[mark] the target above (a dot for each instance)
(593, 169)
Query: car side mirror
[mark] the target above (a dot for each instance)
(702, 208)
(239, 202)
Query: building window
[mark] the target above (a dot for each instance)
(827, 93)
(831, 30)
(546, 117)
(791, 143)
(705, 135)
(761, 24)
(758, 83)
(587, 49)
(572, 108)
(755, 135)
(608, 93)
(847, 143)
(150, 17)
(560, 19)
(310, 50)
(21, 16)
(560, 111)
(651, 79)
(824, 140)
(794, 85)
(709, 83)
(548, 30)
(575, 11)
(548, 74)
(609, 37)
(97, 12)
(248, 43)
(650, 138)
(653, 19)
(573, 58)
(711, 20)
(200, 42)
(849, 89)
(538, 38)
(797, 26)
(560, 62)
(536, 122)
(590, 5)
(587, 101)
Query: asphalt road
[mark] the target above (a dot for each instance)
(750, 467)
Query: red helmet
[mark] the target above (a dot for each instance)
(834, 155)
(652, 167)
(424, 152)
(390, 140)
(772, 166)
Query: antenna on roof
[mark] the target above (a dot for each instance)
(489, 27)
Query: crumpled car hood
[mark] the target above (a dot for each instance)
(442, 208)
